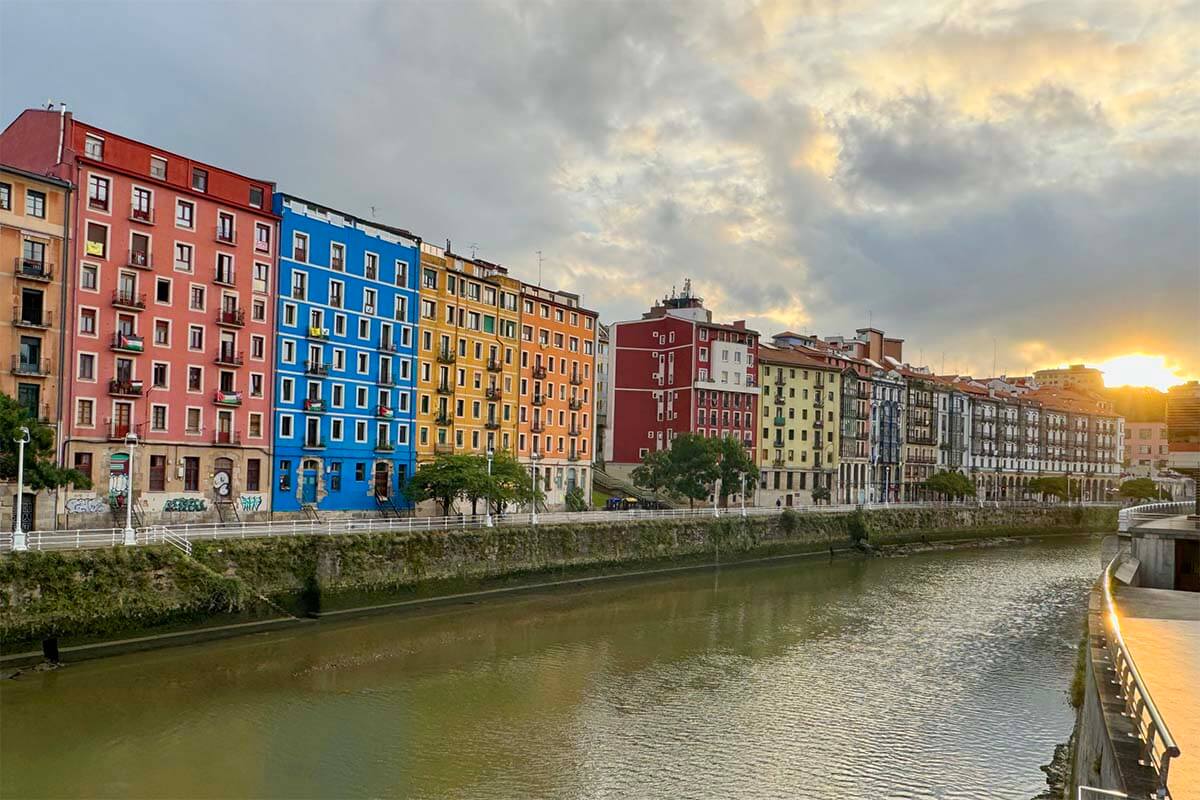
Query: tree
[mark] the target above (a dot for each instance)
(576, 500)
(41, 468)
(1140, 489)
(1052, 487)
(688, 469)
(733, 463)
(444, 479)
(952, 485)
(820, 493)
(654, 473)
(511, 482)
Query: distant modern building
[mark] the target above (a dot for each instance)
(172, 319)
(344, 394)
(676, 371)
(601, 391)
(1183, 431)
(33, 263)
(1076, 375)
(1146, 448)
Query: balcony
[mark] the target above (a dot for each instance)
(131, 301)
(384, 447)
(26, 318)
(445, 388)
(573, 430)
(575, 404)
(300, 254)
(780, 420)
(337, 263)
(778, 444)
(494, 365)
(228, 357)
(231, 317)
(227, 398)
(142, 215)
(316, 369)
(227, 437)
(443, 448)
(317, 333)
(446, 356)
(127, 343)
(818, 422)
(443, 419)
(572, 456)
(225, 234)
(118, 429)
(224, 276)
(313, 443)
(493, 393)
(575, 379)
(262, 246)
(537, 426)
(386, 345)
(922, 438)
(539, 372)
(124, 387)
(33, 269)
(34, 368)
(779, 379)
(539, 400)
(314, 406)
(492, 424)
(386, 379)
(778, 463)
(140, 259)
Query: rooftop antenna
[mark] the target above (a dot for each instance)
(539, 255)
(372, 212)
(473, 246)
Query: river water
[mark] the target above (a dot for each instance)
(935, 675)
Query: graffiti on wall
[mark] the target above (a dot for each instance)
(184, 504)
(86, 505)
(251, 502)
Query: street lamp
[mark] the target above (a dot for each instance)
(490, 454)
(19, 531)
(716, 498)
(130, 533)
(536, 457)
(742, 480)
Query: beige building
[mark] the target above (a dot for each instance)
(1076, 376)
(33, 223)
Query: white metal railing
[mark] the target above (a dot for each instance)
(108, 537)
(1091, 793)
(1133, 516)
(1158, 746)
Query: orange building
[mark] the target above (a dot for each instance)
(556, 421)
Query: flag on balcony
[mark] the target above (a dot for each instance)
(229, 398)
(130, 342)
(95, 249)
(384, 412)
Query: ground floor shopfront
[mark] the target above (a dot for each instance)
(343, 482)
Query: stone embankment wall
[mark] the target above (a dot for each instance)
(97, 595)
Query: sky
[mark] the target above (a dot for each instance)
(1017, 178)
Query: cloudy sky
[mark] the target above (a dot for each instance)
(962, 173)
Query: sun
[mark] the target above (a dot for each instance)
(1138, 369)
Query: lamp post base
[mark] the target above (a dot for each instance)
(19, 541)
(130, 537)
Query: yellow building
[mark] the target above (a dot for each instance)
(800, 441)
(33, 212)
(467, 356)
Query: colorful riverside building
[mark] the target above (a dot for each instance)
(556, 425)
(801, 412)
(172, 324)
(467, 356)
(676, 371)
(33, 235)
(345, 378)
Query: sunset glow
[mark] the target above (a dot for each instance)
(1137, 369)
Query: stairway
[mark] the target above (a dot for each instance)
(228, 512)
(387, 508)
(310, 511)
(117, 507)
(622, 488)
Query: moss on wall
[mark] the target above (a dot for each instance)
(119, 592)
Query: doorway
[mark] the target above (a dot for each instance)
(382, 483)
(28, 512)
(308, 482)
(223, 479)
(1187, 565)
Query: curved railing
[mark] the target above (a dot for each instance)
(1133, 516)
(1158, 746)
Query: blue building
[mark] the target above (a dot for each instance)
(344, 361)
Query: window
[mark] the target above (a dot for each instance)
(196, 298)
(253, 474)
(183, 257)
(299, 247)
(87, 367)
(85, 413)
(162, 291)
(401, 273)
(162, 332)
(191, 472)
(158, 375)
(429, 279)
(98, 193)
(158, 418)
(195, 379)
(255, 426)
(224, 269)
(299, 285)
(285, 426)
(199, 179)
(195, 337)
(93, 147)
(185, 214)
(97, 240)
(89, 277)
(225, 232)
(142, 205)
(262, 238)
(337, 256)
(6, 196)
(257, 347)
(256, 196)
(87, 321)
(192, 423)
(83, 463)
(158, 167)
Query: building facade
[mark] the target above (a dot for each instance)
(888, 404)
(1183, 431)
(345, 380)
(676, 371)
(602, 363)
(800, 436)
(1147, 450)
(1076, 375)
(920, 434)
(556, 416)
(467, 355)
(34, 228)
(167, 364)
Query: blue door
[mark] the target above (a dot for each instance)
(308, 492)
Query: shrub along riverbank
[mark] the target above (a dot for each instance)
(98, 595)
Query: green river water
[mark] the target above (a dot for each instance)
(934, 675)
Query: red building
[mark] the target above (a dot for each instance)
(676, 371)
(170, 294)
